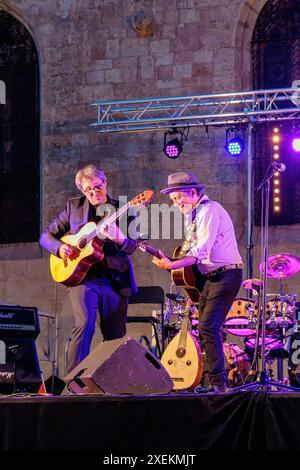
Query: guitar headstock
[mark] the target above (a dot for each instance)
(142, 199)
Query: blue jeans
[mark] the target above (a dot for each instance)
(217, 295)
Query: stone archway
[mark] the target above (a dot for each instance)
(20, 133)
(245, 25)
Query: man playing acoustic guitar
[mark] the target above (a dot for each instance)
(213, 249)
(108, 283)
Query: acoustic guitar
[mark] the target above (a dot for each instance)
(88, 246)
(182, 358)
(182, 277)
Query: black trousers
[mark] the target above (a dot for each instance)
(217, 295)
(87, 299)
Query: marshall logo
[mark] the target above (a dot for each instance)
(7, 315)
(16, 320)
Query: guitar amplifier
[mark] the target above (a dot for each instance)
(17, 321)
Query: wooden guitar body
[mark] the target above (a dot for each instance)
(182, 277)
(71, 271)
(185, 278)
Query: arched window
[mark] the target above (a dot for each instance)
(19, 134)
(276, 64)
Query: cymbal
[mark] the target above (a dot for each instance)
(179, 299)
(281, 266)
(252, 284)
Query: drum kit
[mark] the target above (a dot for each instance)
(244, 320)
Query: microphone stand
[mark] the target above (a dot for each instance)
(262, 381)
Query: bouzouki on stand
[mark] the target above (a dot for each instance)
(182, 357)
(88, 245)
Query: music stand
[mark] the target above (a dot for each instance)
(262, 381)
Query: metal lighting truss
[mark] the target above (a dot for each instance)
(217, 109)
(238, 108)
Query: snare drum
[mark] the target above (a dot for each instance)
(238, 321)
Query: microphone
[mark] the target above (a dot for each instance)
(279, 166)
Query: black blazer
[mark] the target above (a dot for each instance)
(70, 220)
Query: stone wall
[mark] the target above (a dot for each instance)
(89, 52)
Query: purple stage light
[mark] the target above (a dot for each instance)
(173, 148)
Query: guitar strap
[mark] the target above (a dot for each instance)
(186, 244)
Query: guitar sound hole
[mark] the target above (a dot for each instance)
(180, 352)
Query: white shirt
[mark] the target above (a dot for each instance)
(213, 243)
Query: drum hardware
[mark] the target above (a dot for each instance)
(275, 266)
(178, 311)
(251, 316)
(179, 299)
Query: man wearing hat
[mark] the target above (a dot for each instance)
(213, 248)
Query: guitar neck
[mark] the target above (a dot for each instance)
(144, 246)
(183, 330)
(106, 221)
(148, 249)
(112, 218)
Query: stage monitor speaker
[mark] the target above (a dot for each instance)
(19, 366)
(120, 366)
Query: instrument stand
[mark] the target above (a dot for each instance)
(262, 382)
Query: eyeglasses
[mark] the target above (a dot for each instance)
(95, 189)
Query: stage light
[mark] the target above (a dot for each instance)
(234, 143)
(296, 143)
(173, 148)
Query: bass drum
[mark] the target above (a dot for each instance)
(239, 316)
(237, 364)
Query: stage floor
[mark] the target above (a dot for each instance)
(185, 422)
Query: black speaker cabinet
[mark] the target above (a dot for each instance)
(120, 366)
(297, 374)
(19, 366)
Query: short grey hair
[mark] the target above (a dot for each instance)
(89, 172)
